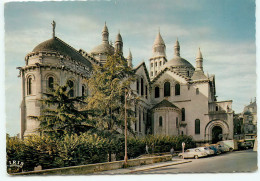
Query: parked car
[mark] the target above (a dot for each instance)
(223, 148)
(192, 153)
(244, 145)
(215, 149)
(231, 144)
(206, 150)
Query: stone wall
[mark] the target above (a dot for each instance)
(91, 168)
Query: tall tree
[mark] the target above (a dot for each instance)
(107, 86)
(62, 114)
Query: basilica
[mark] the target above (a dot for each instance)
(178, 98)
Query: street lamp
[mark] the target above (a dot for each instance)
(126, 95)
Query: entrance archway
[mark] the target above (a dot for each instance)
(217, 134)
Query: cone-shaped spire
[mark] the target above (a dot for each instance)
(199, 55)
(177, 48)
(199, 74)
(105, 34)
(158, 40)
(129, 59)
(129, 55)
(119, 44)
(159, 46)
(119, 37)
(199, 61)
(105, 29)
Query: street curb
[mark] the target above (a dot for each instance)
(178, 163)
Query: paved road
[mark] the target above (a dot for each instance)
(238, 161)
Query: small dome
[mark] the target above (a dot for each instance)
(178, 61)
(57, 45)
(51, 45)
(103, 48)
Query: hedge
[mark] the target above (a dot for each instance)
(85, 149)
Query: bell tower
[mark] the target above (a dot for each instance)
(159, 57)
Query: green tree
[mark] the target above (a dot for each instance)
(108, 85)
(63, 114)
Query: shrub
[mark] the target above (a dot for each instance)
(86, 148)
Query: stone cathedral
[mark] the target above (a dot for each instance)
(178, 98)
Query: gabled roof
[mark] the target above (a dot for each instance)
(145, 69)
(163, 71)
(164, 103)
(57, 45)
(198, 75)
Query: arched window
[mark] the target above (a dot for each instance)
(151, 73)
(160, 121)
(177, 89)
(183, 114)
(157, 92)
(137, 86)
(155, 73)
(188, 73)
(181, 132)
(155, 64)
(50, 82)
(197, 91)
(160, 63)
(71, 88)
(142, 86)
(197, 126)
(216, 108)
(167, 89)
(29, 86)
(151, 64)
(177, 122)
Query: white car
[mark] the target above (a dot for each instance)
(192, 153)
(207, 150)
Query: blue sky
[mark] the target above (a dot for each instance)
(223, 29)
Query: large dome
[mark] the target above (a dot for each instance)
(178, 62)
(103, 48)
(59, 46)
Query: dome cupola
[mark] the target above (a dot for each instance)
(104, 47)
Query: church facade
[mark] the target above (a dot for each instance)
(178, 98)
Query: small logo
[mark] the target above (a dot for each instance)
(15, 163)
